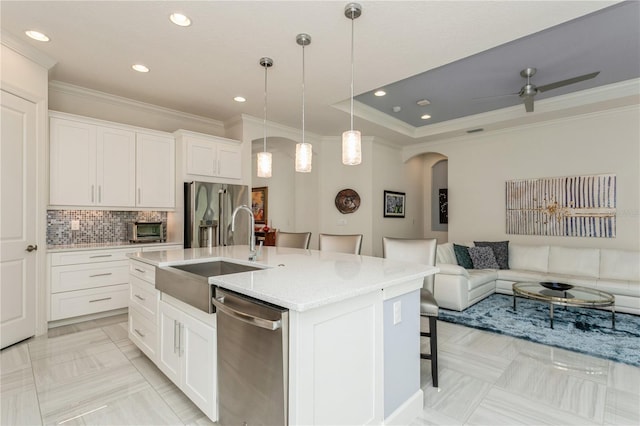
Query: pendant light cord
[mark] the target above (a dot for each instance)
(303, 78)
(265, 109)
(352, 19)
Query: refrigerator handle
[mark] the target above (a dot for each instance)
(222, 220)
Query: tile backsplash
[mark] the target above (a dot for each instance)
(96, 226)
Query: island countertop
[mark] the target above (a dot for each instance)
(297, 279)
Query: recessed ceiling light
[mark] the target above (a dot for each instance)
(180, 19)
(239, 99)
(37, 35)
(380, 93)
(423, 102)
(425, 116)
(140, 68)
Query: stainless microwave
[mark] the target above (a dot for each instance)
(145, 232)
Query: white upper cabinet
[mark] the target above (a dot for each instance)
(208, 156)
(91, 165)
(155, 171)
(106, 165)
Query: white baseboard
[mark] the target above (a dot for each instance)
(407, 412)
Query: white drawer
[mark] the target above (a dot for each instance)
(143, 271)
(91, 256)
(84, 302)
(143, 333)
(144, 297)
(91, 275)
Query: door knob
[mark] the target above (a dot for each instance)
(31, 248)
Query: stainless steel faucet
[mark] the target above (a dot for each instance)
(252, 234)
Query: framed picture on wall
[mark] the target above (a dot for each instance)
(394, 204)
(259, 198)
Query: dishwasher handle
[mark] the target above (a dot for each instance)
(244, 317)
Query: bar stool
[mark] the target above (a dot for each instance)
(293, 239)
(420, 251)
(341, 243)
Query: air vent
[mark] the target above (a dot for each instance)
(479, 129)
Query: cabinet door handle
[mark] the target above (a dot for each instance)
(99, 193)
(181, 340)
(141, 334)
(100, 255)
(106, 274)
(100, 300)
(92, 193)
(139, 196)
(140, 297)
(142, 271)
(175, 337)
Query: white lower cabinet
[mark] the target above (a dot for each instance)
(187, 354)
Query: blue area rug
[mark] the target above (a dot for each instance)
(577, 329)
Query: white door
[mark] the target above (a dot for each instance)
(169, 328)
(155, 171)
(199, 374)
(17, 220)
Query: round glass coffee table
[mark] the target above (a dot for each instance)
(565, 295)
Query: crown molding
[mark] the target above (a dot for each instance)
(83, 92)
(273, 129)
(373, 115)
(26, 50)
(422, 148)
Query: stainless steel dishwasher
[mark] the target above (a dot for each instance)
(253, 361)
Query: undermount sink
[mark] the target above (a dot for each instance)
(190, 283)
(218, 267)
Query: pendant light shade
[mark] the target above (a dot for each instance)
(264, 157)
(351, 140)
(264, 164)
(304, 150)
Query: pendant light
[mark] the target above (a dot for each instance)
(351, 146)
(303, 150)
(264, 157)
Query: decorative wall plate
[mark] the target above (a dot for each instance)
(347, 201)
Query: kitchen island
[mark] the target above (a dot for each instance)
(353, 328)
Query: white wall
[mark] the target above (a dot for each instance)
(390, 173)
(479, 165)
(334, 177)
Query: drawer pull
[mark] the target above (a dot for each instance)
(140, 297)
(142, 271)
(101, 275)
(139, 333)
(99, 300)
(100, 255)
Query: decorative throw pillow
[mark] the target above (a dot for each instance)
(500, 251)
(462, 256)
(483, 258)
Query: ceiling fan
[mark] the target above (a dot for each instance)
(529, 90)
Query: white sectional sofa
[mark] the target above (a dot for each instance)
(613, 271)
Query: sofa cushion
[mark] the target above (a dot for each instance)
(483, 258)
(500, 251)
(620, 264)
(478, 277)
(518, 275)
(462, 256)
(529, 258)
(619, 288)
(583, 262)
(445, 254)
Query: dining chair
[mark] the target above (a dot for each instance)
(351, 243)
(420, 251)
(293, 239)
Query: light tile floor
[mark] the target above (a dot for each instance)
(91, 374)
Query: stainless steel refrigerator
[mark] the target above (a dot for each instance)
(207, 218)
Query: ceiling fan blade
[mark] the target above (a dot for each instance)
(528, 103)
(567, 82)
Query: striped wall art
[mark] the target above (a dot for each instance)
(574, 206)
